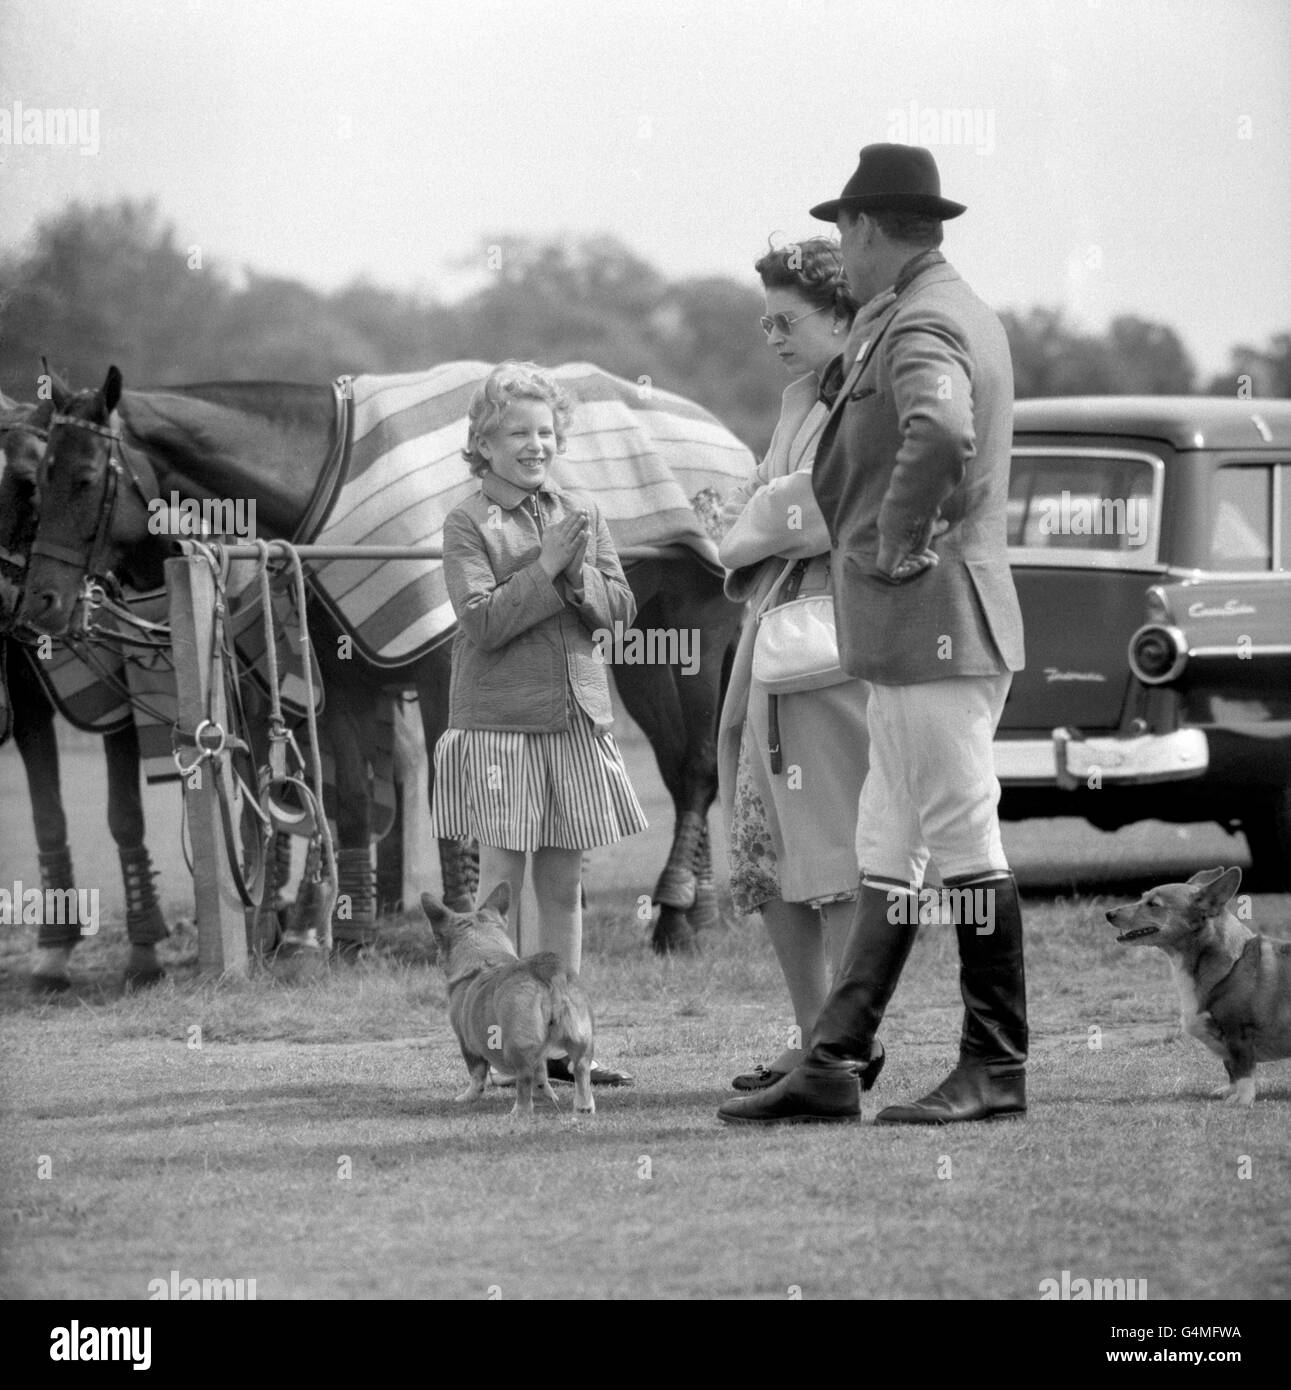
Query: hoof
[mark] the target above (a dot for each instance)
(300, 956)
(46, 986)
(143, 969)
(676, 889)
(673, 934)
(142, 979)
(705, 915)
(50, 974)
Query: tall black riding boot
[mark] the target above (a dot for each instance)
(990, 1080)
(824, 1086)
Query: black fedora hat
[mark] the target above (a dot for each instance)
(903, 178)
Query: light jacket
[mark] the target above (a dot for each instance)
(773, 518)
(916, 453)
(524, 645)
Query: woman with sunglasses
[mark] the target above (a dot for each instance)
(792, 818)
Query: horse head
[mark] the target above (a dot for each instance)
(24, 428)
(93, 501)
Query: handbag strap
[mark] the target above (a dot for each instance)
(789, 580)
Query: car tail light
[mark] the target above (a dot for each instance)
(1158, 654)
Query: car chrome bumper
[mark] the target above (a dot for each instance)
(1069, 761)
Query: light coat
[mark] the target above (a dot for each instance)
(773, 519)
(524, 645)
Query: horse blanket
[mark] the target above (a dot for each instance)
(658, 465)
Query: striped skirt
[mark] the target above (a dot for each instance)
(567, 790)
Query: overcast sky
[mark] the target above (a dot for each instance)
(1119, 156)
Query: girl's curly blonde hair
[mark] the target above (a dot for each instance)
(512, 381)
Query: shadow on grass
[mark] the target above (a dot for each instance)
(290, 1103)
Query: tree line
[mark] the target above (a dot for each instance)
(112, 283)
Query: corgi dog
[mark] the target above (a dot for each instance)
(1234, 985)
(510, 1012)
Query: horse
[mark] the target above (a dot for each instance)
(27, 711)
(115, 456)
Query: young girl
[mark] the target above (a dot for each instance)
(527, 765)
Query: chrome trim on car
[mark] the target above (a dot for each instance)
(1147, 758)
(1067, 760)
(1181, 653)
(1244, 653)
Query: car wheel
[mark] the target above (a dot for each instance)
(1268, 835)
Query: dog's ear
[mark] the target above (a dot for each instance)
(499, 899)
(1205, 876)
(434, 909)
(1217, 892)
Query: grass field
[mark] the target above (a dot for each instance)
(310, 1142)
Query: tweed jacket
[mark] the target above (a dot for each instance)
(915, 453)
(524, 645)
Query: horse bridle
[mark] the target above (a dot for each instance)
(117, 465)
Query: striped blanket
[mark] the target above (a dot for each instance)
(658, 466)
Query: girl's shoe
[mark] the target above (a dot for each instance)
(558, 1069)
(761, 1077)
(758, 1079)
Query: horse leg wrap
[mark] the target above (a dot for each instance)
(56, 873)
(459, 865)
(54, 940)
(705, 912)
(145, 926)
(354, 920)
(677, 884)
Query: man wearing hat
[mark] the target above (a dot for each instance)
(912, 475)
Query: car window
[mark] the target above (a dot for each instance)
(1079, 502)
(1241, 533)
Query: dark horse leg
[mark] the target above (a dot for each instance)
(459, 864)
(349, 714)
(678, 712)
(33, 732)
(38, 746)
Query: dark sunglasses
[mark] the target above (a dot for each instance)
(783, 324)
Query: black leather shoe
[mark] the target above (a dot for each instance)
(558, 1069)
(867, 1073)
(808, 1095)
(758, 1079)
(968, 1093)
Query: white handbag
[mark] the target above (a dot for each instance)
(796, 646)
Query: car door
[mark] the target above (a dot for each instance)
(1083, 535)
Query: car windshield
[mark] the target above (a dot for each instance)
(1077, 502)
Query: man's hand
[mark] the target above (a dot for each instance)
(898, 569)
(898, 566)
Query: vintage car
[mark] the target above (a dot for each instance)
(1150, 539)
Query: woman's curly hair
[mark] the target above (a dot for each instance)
(814, 268)
(512, 381)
